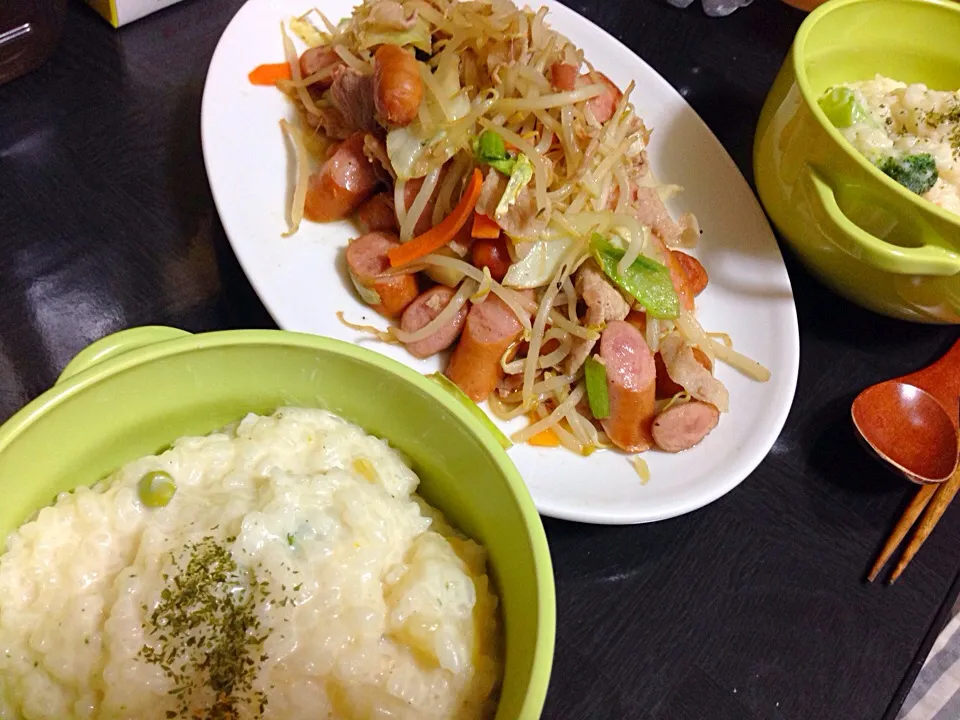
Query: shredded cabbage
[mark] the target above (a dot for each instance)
(304, 29)
(405, 148)
(418, 36)
(539, 265)
(520, 177)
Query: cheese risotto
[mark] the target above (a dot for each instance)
(912, 133)
(281, 568)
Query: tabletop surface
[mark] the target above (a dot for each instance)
(753, 607)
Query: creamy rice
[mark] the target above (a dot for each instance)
(912, 119)
(357, 599)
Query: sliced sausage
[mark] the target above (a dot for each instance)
(638, 319)
(424, 310)
(631, 386)
(410, 192)
(603, 106)
(320, 58)
(342, 184)
(491, 328)
(492, 254)
(680, 427)
(681, 283)
(563, 76)
(397, 87)
(367, 262)
(666, 387)
(331, 150)
(378, 215)
(696, 274)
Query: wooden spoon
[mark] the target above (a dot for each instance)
(913, 422)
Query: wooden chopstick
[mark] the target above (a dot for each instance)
(944, 494)
(909, 517)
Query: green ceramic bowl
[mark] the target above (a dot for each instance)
(133, 393)
(863, 234)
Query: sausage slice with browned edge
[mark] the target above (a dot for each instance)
(320, 58)
(397, 87)
(424, 310)
(682, 426)
(346, 179)
(678, 276)
(666, 387)
(696, 274)
(565, 77)
(631, 386)
(378, 214)
(603, 106)
(368, 264)
(491, 328)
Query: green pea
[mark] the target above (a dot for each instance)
(156, 488)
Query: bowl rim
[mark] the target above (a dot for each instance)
(543, 652)
(798, 61)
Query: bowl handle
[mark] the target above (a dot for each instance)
(117, 344)
(925, 260)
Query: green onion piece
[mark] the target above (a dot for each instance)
(646, 280)
(451, 387)
(489, 149)
(842, 109)
(492, 146)
(156, 489)
(595, 373)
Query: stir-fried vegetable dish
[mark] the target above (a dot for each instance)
(509, 213)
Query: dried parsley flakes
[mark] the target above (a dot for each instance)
(208, 637)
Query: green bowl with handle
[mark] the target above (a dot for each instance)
(860, 232)
(133, 393)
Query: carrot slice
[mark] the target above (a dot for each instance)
(442, 233)
(484, 228)
(269, 73)
(544, 438)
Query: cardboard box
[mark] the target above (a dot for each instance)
(122, 12)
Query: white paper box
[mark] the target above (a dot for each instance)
(122, 12)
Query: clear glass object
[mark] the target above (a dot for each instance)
(721, 8)
(29, 32)
(714, 8)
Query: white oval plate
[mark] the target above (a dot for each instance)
(301, 279)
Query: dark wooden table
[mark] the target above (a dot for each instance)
(754, 607)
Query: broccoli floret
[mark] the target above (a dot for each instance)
(917, 173)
